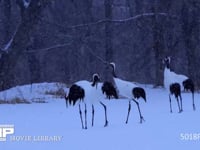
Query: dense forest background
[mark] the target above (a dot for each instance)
(69, 40)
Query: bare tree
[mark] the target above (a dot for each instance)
(158, 44)
(29, 18)
(108, 35)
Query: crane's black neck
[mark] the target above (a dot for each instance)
(94, 83)
(113, 72)
(167, 66)
(95, 80)
(167, 62)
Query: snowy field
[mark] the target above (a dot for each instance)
(161, 129)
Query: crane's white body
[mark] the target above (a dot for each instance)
(124, 88)
(171, 77)
(93, 94)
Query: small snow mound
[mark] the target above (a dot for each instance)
(37, 92)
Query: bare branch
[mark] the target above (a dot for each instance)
(121, 20)
(107, 20)
(115, 21)
(95, 55)
(48, 48)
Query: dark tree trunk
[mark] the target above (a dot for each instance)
(158, 46)
(108, 36)
(7, 20)
(190, 30)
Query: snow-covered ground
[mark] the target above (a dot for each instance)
(161, 130)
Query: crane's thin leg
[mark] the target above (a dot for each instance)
(129, 109)
(178, 104)
(181, 103)
(170, 103)
(138, 106)
(66, 103)
(106, 120)
(80, 112)
(66, 100)
(194, 108)
(92, 115)
(85, 116)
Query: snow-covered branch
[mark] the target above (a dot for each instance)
(6, 47)
(26, 3)
(23, 4)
